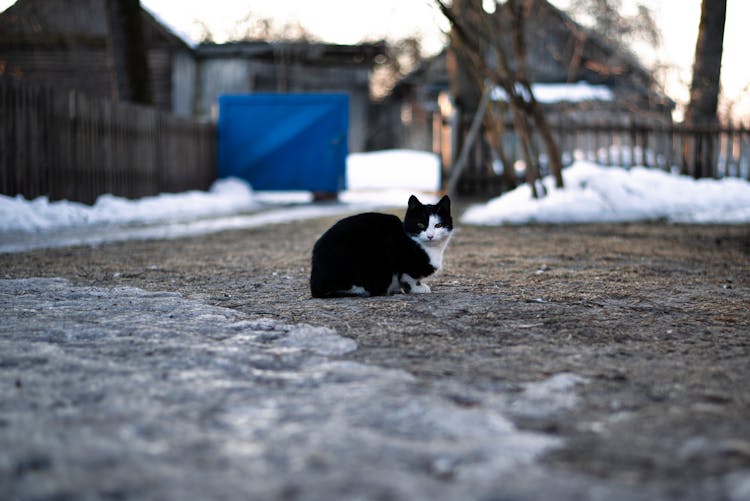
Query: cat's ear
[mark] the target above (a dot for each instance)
(414, 203)
(445, 203)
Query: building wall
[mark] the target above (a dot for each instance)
(183, 83)
(86, 69)
(83, 68)
(65, 45)
(216, 77)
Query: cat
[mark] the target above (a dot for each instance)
(375, 254)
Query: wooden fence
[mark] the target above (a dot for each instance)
(696, 151)
(66, 145)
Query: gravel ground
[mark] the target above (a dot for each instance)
(653, 319)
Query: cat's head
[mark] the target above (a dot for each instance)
(429, 224)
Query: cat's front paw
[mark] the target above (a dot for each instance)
(411, 285)
(421, 289)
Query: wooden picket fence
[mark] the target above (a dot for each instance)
(721, 151)
(66, 145)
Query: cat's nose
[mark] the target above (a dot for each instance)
(430, 237)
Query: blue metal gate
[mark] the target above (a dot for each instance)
(285, 141)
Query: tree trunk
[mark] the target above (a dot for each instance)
(553, 152)
(464, 85)
(704, 89)
(523, 131)
(522, 75)
(129, 52)
(494, 125)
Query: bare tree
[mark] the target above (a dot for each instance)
(252, 27)
(704, 89)
(494, 126)
(129, 51)
(402, 57)
(492, 47)
(607, 18)
(619, 28)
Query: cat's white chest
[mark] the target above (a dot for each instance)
(435, 253)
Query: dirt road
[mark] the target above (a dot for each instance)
(655, 318)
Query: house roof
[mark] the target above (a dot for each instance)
(599, 59)
(311, 52)
(560, 51)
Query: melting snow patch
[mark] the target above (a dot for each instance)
(739, 485)
(270, 396)
(549, 397)
(226, 196)
(318, 340)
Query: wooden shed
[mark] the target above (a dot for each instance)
(560, 51)
(65, 43)
(289, 67)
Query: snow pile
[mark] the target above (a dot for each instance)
(382, 179)
(378, 179)
(404, 169)
(594, 193)
(226, 196)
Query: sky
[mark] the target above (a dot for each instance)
(353, 21)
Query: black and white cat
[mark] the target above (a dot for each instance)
(375, 254)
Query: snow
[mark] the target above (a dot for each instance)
(226, 196)
(416, 170)
(594, 193)
(549, 397)
(557, 93)
(383, 178)
(275, 393)
(376, 180)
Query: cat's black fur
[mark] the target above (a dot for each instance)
(376, 254)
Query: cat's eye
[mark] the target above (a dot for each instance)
(421, 226)
(439, 225)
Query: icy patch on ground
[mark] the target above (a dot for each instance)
(739, 485)
(548, 397)
(144, 394)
